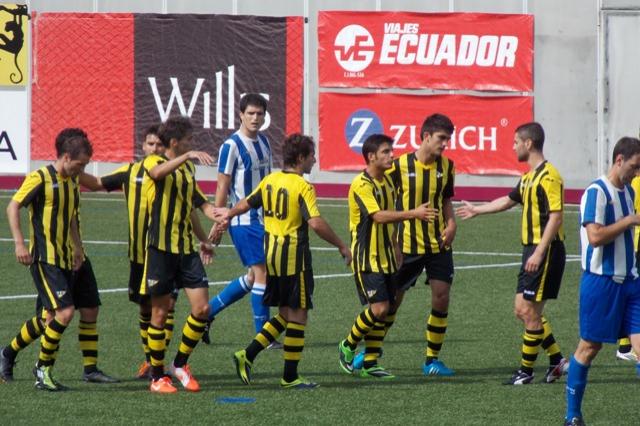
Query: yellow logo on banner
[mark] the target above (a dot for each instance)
(14, 29)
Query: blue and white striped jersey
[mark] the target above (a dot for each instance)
(604, 204)
(247, 162)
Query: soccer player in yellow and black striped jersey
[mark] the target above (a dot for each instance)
(426, 176)
(289, 206)
(52, 195)
(172, 261)
(134, 182)
(372, 218)
(540, 191)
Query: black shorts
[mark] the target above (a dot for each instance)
(136, 273)
(438, 266)
(375, 287)
(293, 291)
(53, 284)
(85, 287)
(545, 282)
(166, 272)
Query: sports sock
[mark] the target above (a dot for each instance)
(436, 330)
(576, 384)
(49, 342)
(234, 291)
(362, 325)
(269, 333)
(624, 345)
(260, 310)
(143, 323)
(29, 332)
(549, 344)
(531, 340)
(293, 346)
(191, 334)
(373, 344)
(157, 349)
(168, 326)
(388, 322)
(88, 338)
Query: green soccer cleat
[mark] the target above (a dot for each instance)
(243, 366)
(346, 357)
(44, 380)
(376, 372)
(299, 383)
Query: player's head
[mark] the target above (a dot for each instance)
(377, 149)
(73, 151)
(528, 137)
(151, 142)
(435, 133)
(253, 109)
(626, 158)
(299, 150)
(176, 134)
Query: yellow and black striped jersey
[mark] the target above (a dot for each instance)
(417, 183)
(135, 183)
(372, 243)
(53, 202)
(171, 201)
(635, 185)
(288, 202)
(540, 191)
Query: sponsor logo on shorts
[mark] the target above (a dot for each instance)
(529, 292)
(371, 293)
(61, 293)
(151, 283)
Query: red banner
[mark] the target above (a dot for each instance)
(426, 50)
(482, 142)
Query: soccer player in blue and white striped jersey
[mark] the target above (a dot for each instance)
(244, 159)
(609, 287)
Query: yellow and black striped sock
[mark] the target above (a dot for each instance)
(168, 326)
(88, 338)
(531, 340)
(29, 332)
(157, 349)
(269, 333)
(360, 328)
(293, 346)
(436, 330)
(549, 344)
(373, 344)
(191, 334)
(388, 322)
(143, 323)
(49, 342)
(624, 345)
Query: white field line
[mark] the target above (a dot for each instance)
(317, 277)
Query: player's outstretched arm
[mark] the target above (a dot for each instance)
(468, 210)
(163, 169)
(422, 212)
(22, 252)
(324, 231)
(91, 182)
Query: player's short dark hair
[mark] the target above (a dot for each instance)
(533, 131)
(296, 145)
(151, 130)
(73, 141)
(176, 127)
(627, 147)
(253, 99)
(435, 123)
(372, 144)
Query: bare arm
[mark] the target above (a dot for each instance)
(324, 231)
(163, 169)
(422, 212)
(450, 226)
(206, 248)
(78, 250)
(600, 235)
(222, 193)
(550, 231)
(468, 210)
(91, 182)
(22, 252)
